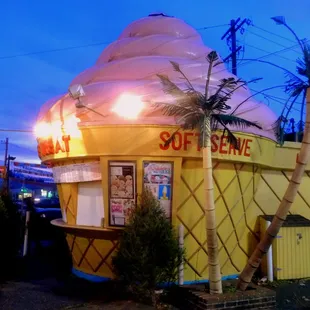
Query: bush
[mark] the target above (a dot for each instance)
(10, 236)
(148, 253)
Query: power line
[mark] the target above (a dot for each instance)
(262, 50)
(283, 99)
(24, 147)
(54, 50)
(273, 98)
(279, 44)
(17, 130)
(273, 33)
(82, 46)
(283, 103)
(212, 27)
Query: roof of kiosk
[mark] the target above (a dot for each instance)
(127, 69)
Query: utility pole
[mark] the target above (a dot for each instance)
(6, 151)
(231, 37)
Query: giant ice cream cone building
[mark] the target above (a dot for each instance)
(107, 145)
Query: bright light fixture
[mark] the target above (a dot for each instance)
(56, 129)
(42, 130)
(128, 106)
(71, 126)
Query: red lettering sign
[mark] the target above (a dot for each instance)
(51, 147)
(184, 141)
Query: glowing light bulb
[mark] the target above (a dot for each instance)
(56, 128)
(43, 130)
(128, 106)
(71, 126)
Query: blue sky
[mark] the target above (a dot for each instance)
(27, 81)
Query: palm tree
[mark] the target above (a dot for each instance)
(296, 85)
(205, 112)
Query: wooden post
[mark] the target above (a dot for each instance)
(181, 245)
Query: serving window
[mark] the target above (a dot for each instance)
(158, 177)
(122, 191)
(90, 206)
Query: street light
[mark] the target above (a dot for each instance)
(76, 92)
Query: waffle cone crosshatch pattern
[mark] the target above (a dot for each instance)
(92, 256)
(243, 191)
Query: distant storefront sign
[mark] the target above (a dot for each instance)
(2, 172)
(31, 172)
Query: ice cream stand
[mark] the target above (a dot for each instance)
(107, 144)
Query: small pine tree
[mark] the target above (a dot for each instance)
(10, 236)
(149, 252)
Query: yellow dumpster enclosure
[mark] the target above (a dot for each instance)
(106, 144)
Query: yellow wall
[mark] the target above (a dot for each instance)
(245, 187)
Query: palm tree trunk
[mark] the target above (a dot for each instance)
(287, 200)
(215, 278)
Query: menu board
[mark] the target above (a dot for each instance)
(122, 191)
(158, 179)
(75, 173)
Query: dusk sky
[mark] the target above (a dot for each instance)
(45, 44)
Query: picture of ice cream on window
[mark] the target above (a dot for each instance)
(122, 185)
(164, 192)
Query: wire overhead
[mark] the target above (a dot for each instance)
(17, 130)
(273, 33)
(83, 46)
(262, 50)
(272, 41)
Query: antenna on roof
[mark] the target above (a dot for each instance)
(159, 14)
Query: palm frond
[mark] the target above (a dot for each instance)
(228, 83)
(212, 57)
(217, 101)
(171, 138)
(177, 68)
(170, 88)
(218, 63)
(278, 130)
(231, 138)
(242, 83)
(224, 92)
(294, 98)
(285, 107)
(186, 98)
(294, 85)
(171, 109)
(190, 121)
(303, 103)
(235, 121)
(303, 65)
